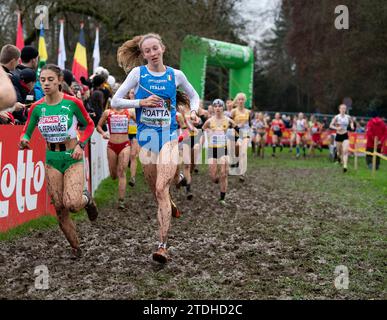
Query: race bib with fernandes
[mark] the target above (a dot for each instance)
(54, 128)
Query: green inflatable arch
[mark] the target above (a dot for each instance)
(197, 53)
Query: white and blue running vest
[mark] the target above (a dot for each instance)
(156, 126)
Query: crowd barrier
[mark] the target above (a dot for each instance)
(358, 147)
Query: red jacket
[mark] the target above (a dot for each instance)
(376, 128)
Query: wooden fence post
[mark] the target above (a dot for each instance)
(374, 156)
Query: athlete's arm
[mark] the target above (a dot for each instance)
(132, 114)
(206, 124)
(7, 91)
(29, 128)
(101, 122)
(232, 123)
(233, 114)
(351, 123)
(182, 81)
(180, 119)
(333, 124)
(132, 82)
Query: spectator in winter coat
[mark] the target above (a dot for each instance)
(24, 88)
(375, 128)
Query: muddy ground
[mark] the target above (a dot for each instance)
(280, 237)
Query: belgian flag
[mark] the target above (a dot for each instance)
(80, 59)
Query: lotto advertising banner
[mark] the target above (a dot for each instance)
(358, 142)
(23, 195)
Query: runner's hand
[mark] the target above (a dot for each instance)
(106, 136)
(152, 101)
(78, 153)
(194, 117)
(24, 144)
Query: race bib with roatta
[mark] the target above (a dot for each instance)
(156, 117)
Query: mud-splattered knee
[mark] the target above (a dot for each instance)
(161, 192)
(121, 173)
(73, 205)
(223, 175)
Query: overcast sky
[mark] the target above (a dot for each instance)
(260, 14)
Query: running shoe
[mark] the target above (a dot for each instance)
(132, 181)
(222, 202)
(161, 255)
(216, 181)
(298, 156)
(189, 195)
(235, 165)
(196, 170)
(176, 213)
(121, 204)
(182, 181)
(345, 170)
(242, 178)
(77, 253)
(91, 206)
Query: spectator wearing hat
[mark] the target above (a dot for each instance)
(30, 59)
(376, 128)
(9, 58)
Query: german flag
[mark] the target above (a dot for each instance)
(80, 58)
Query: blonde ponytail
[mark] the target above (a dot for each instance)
(129, 54)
